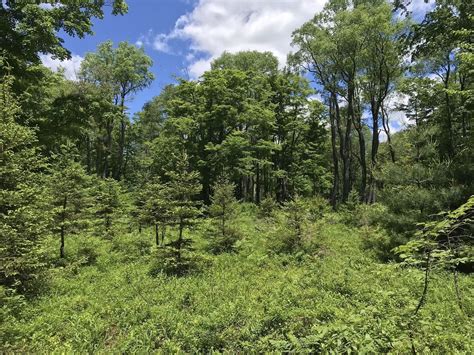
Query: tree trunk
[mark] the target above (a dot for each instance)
(375, 109)
(357, 121)
(163, 232)
(386, 128)
(121, 147)
(180, 240)
(257, 185)
(346, 156)
(449, 125)
(118, 170)
(63, 231)
(335, 160)
(157, 238)
(363, 164)
(344, 148)
(108, 152)
(88, 155)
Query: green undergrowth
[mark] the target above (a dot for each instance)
(335, 295)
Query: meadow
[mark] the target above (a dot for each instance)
(335, 295)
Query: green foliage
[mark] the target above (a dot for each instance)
(29, 29)
(118, 73)
(419, 183)
(106, 206)
(67, 188)
(156, 209)
(338, 300)
(252, 123)
(249, 61)
(122, 71)
(290, 236)
(306, 278)
(445, 243)
(351, 49)
(223, 232)
(176, 257)
(317, 207)
(267, 207)
(22, 201)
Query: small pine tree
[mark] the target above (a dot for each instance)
(267, 207)
(296, 216)
(184, 210)
(222, 211)
(106, 195)
(23, 220)
(156, 208)
(137, 214)
(68, 183)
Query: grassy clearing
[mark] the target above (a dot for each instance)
(335, 296)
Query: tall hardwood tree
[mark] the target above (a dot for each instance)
(353, 52)
(121, 72)
(28, 29)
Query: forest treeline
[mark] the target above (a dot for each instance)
(325, 126)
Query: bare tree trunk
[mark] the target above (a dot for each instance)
(63, 228)
(335, 160)
(121, 145)
(180, 240)
(449, 125)
(344, 149)
(257, 185)
(88, 155)
(163, 232)
(363, 163)
(108, 152)
(223, 220)
(386, 128)
(357, 122)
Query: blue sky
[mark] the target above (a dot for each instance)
(183, 36)
(143, 16)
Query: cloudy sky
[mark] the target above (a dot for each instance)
(183, 36)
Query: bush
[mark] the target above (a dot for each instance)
(289, 236)
(132, 246)
(317, 207)
(267, 207)
(223, 235)
(87, 255)
(164, 261)
(226, 243)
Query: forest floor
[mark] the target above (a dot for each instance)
(335, 296)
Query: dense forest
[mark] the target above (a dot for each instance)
(262, 207)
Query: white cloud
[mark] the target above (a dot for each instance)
(48, 6)
(198, 67)
(397, 119)
(420, 7)
(215, 26)
(160, 43)
(316, 97)
(70, 66)
(396, 116)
